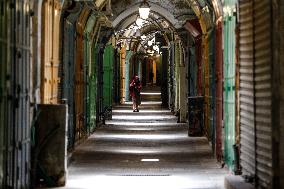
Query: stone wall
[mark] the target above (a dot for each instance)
(50, 150)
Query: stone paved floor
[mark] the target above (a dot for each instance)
(145, 150)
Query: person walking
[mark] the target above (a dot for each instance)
(135, 88)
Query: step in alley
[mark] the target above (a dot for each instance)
(144, 150)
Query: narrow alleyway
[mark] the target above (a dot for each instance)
(144, 150)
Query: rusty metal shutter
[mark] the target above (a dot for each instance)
(247, 121)
(262, 72)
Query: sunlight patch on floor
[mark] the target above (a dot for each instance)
(139, 182)
(147, 103)
(141, 111)
(131, 123)
(142, 117)
(145, 137)
(150, 93)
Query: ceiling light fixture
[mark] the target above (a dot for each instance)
(144, 10)
(139, 22)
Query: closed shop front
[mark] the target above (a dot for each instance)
(256, 91)
(68, 73)
(229, 83)
(108, 76)
(15, 94)
(50, 51)
(79, 73)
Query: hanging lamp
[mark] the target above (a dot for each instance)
(144, 10)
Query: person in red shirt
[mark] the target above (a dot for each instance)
(135, 88)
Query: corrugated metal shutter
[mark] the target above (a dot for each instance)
(247, 120)
(255, 91)
(262, 32)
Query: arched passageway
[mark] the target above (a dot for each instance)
(212, 80)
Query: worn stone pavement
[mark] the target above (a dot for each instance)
(145, 150)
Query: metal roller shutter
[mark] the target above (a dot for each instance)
(256, 91)
(247, 121)
(263, 94)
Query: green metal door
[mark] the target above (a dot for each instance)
(88, 75)
(127, 74)
(229, 85)
(93, 90)
(86, 85)
(108, 76)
